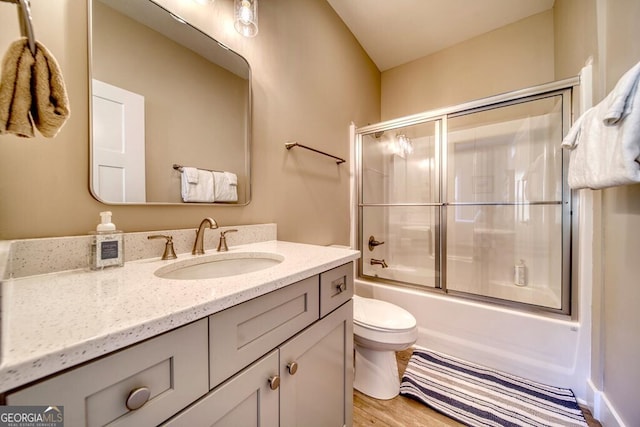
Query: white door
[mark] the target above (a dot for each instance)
(118, 144)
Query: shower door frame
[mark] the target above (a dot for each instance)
(563, 88)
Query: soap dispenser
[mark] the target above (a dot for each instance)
(107, 244)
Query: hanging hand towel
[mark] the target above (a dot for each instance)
(605, 140)
(225, 187)
(15, 90)
(201, 192)
(32, 91)
(50, 109)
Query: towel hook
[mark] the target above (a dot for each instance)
(26, 25)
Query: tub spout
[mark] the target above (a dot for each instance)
(379, 262)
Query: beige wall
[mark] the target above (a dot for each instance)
(621, 237)
(509, 58)
(608, 31)
(297, 96)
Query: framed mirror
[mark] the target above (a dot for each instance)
(164, 96)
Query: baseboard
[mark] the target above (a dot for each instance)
(602, 408)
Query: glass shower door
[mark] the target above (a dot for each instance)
(504, 209)
(400, 204)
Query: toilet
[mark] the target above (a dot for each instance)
(379, 330)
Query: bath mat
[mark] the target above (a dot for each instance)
(479, 396)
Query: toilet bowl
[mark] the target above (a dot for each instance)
(379, 330)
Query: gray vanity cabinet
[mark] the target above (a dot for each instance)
(307, 381)
(284, 358)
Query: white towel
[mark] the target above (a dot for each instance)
(621, 98)
(225, 187)
(190, 174)
(202, 191)
(605, 140)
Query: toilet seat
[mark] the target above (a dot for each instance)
(378, 315)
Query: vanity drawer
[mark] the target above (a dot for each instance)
(173, 366)
(336, 288)
(243, 333)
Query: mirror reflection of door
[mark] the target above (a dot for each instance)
(118, 144)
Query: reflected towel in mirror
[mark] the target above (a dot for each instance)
(199, 192)
(191, 174)
(225, 187)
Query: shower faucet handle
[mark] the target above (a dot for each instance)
(373, 243)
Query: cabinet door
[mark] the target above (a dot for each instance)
(320, 391)
(244, 400)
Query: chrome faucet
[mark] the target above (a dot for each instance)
(198, 245)
(222, 244)
(379, 262)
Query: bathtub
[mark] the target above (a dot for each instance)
(542, 348)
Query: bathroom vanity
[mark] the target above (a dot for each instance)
(272, 347)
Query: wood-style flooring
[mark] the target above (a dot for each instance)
(404, 412)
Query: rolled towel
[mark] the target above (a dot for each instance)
(32, 91)
(15, 90)
(50, 110)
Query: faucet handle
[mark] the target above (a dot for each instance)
(222, 244)
(373, 243)
(169, 253)
(222, 233)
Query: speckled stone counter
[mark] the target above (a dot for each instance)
(51, 322)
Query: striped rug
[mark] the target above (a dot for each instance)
(479, 396)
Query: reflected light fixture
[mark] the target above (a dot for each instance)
(404, 146)
(246, 17)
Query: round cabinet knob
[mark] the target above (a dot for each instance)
(342, 287)
(292, 367)
(274, 382)
(137, 398)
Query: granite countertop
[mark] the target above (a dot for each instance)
(51, 322)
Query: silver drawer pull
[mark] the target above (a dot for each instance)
(292, 367)
(274, 382)
(341, 287)
(137, 398)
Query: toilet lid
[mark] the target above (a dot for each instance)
(381, 315)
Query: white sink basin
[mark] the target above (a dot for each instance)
(218, 265)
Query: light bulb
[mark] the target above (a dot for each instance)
(246, 17)
(245, 13)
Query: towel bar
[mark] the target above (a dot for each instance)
(179, 168)
(290, 145)
(26, 26)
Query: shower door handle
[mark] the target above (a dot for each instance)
(373, 243)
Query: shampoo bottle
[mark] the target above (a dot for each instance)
(520, 274)
(107, 244)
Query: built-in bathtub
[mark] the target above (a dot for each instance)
(539, 347)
